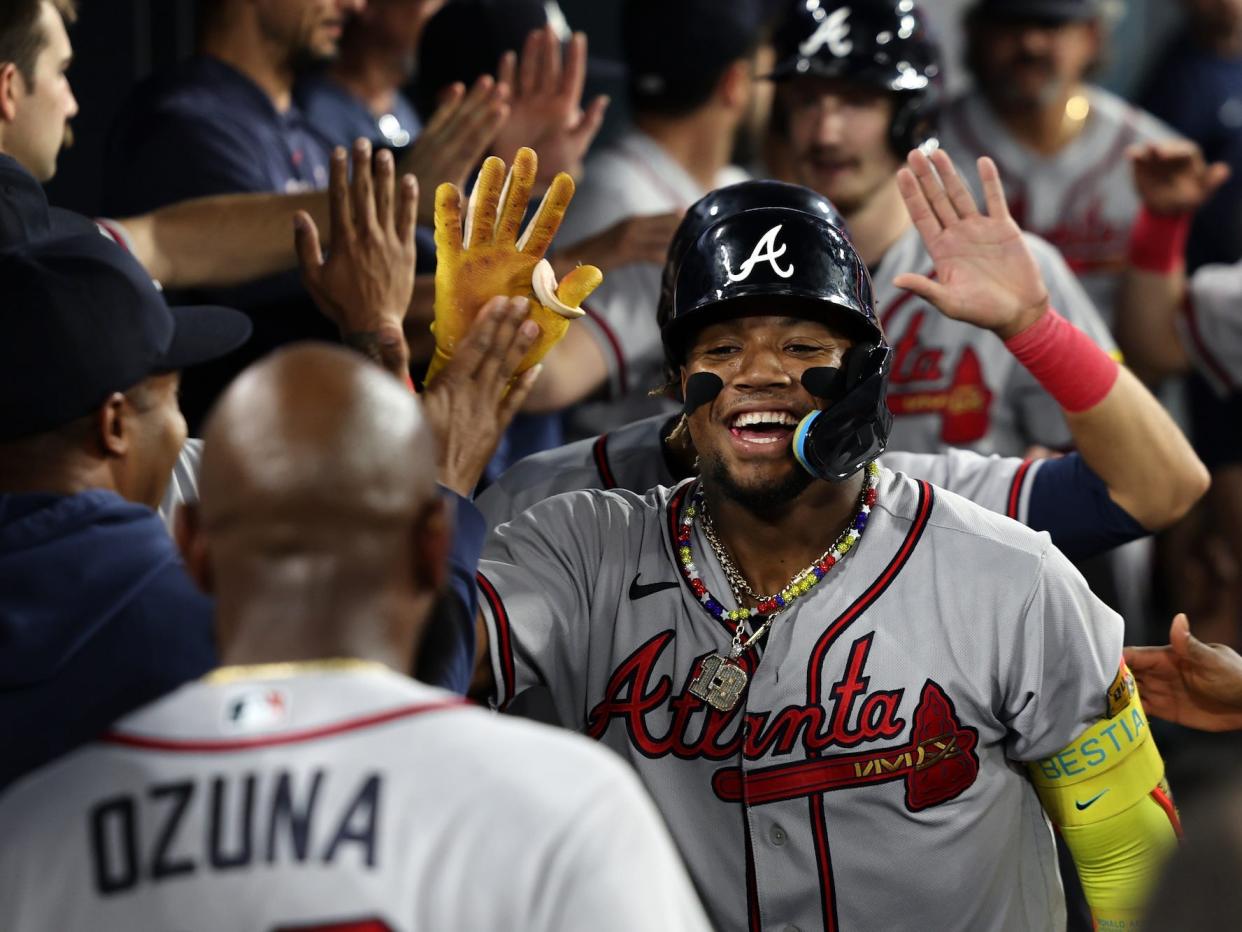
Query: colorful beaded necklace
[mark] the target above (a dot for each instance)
(799, 586)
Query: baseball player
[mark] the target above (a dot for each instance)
(1064, 496)
(1059, 141)
(332, 792)
(833, 678)
(1174, 322)
(858, 84)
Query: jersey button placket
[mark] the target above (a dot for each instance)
(777, 836)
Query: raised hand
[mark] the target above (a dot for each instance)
(985, 272)
(366, 283)
(1172, 178)
(1194, 684)
(457, 136)
(488, 258)
(546, 104)
(472, 402)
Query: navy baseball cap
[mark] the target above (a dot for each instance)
(676, 50)
(1052, 11)
(465, 39)
(81, 320)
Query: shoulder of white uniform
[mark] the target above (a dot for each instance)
(587, 511)
(547, 772)
(1117, 109)
(951, 516)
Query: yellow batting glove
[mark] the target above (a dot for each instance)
(489, 258)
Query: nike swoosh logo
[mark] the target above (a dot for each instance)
(641, 592)
(1081, 806)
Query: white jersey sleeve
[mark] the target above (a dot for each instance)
(1211, 326)
(1061, 666)
(1042, 420)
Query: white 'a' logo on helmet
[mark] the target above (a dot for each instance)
(765, 251)
(833, 32)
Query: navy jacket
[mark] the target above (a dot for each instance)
(97, 618)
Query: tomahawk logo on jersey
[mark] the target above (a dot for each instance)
(952, 383)
(876, 737)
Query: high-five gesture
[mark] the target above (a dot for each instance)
(1194, 684)
(985, 272)
(365, 285)
(487, 257)
(546, 103)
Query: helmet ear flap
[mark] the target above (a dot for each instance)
(913, 124)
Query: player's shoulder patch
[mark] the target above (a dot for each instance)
(1120, 691)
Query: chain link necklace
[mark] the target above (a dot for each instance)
(721, 680)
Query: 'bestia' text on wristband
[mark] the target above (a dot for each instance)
(1158, 242)
(1064, 360)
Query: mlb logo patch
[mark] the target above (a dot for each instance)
(258, 708)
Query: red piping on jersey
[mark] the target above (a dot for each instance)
(503, 633)
(623, 382)
(1169, 809)
(819, 826)
(266, 741)
(600, 452)
(897, 304)
(1015, 490)
(1126, 135)
(1196, 336)
(115, 232)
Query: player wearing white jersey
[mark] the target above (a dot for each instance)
(1059, 142)
(1174, 322)
(308, 784)
(858, 89)
(690, 88)
(846, 752)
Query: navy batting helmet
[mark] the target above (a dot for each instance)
(783, 261)
(880, 43)
(725, 202)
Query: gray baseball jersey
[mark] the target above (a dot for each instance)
(956, 384)
(867, 778)
(1082, 199)
(633, 177)
(299, 797)
(632, 458)
(1211, 325)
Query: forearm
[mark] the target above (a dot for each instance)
(573, 370)
(1147, 308)
(1107, 796)
(1131, 443)
(1152, 293)
(222, 240)
(1121, 431)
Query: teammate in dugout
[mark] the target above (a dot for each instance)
(1133, 470)
(858, 86)
(832, 677)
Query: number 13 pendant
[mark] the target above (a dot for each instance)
(720, 682)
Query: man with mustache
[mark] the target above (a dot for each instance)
(1058, 140)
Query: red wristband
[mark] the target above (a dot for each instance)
(1064, 360)
(1158, 242)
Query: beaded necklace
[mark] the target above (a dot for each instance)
(721, 679)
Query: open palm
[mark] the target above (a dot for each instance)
(985, 272)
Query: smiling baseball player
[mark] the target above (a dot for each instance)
(832, 678)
